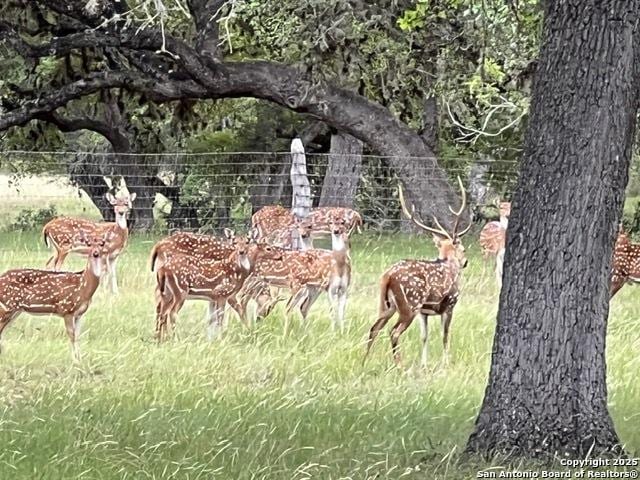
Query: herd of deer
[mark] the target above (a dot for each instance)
(278, 254)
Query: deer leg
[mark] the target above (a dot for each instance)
(397, 330)
(446, 323)
(424, 337)
(60, 257)
(382, 320)
(237, 307)
(312, 294)
(72, 326)
(216, 316)
(112, 274)
(499, 264)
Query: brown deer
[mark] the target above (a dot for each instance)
(193, 244)
(323, 218)
(65, 294)
(271, 218)
(422, 287)
(277, 220)
(625, 264)
(493, 239)
(307, 274)
(61, 233)
(184, 277)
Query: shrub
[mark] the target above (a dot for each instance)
(32, 219)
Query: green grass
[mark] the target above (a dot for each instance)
(258, 404)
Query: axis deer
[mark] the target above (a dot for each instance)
(276, 220)
(493, 239)
(306, 274)
(62, 234)
(284, 236)
(193, 244)
(271, 218)
(323, 218)
(184, 277)
(419, 288)
(625, 264)
(45, 292)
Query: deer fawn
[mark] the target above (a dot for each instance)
(65, 294)
(422, 288)
(184, 277)
(493, 239)
(626, 263)
(62, 234)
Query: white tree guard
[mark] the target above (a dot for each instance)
(301, 195)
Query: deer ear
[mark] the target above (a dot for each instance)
(132, 197)
(254, 234)
(229, 234)
(437, 239)
(110, 198)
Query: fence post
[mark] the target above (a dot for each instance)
(301, 195)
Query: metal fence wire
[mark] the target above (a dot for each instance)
(209, 191)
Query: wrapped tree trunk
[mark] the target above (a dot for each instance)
(547, 392)
(343, 172)
(301, 195)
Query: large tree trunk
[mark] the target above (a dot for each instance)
(343, 172)
(547, 390)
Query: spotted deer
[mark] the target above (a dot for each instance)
(182, 277)
(62, 234)
(193, 244)
(45, 292)
(306, 274)
(493, 239)
(419, 288)
(625, 264)
(271, 218)
(323, 218)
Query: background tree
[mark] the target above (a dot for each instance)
(547, 392)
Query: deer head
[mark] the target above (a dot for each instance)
(121, 206)
(97, 250)
(449, 245)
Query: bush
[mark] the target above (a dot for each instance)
(30, 219)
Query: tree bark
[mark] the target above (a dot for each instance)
(343, 172)
(547, 392)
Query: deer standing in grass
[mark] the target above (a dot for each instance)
(182, 277)
(625, 264)
(419, 288)
(62, 234)
(65, 294)
(493, 239)
(306, 274)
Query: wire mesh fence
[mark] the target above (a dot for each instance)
(209, 191)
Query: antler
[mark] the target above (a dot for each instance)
(411, 215)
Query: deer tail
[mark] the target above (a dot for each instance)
(154, 257)
(385, 312)
(45, 236)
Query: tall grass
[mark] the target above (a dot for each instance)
(259, 404)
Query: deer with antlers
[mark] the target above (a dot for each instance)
(493, 239)
(626, 263)
(62, 234)
(45, 292)
(182, 277)
(420, 288)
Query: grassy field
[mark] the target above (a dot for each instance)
(259, 404)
